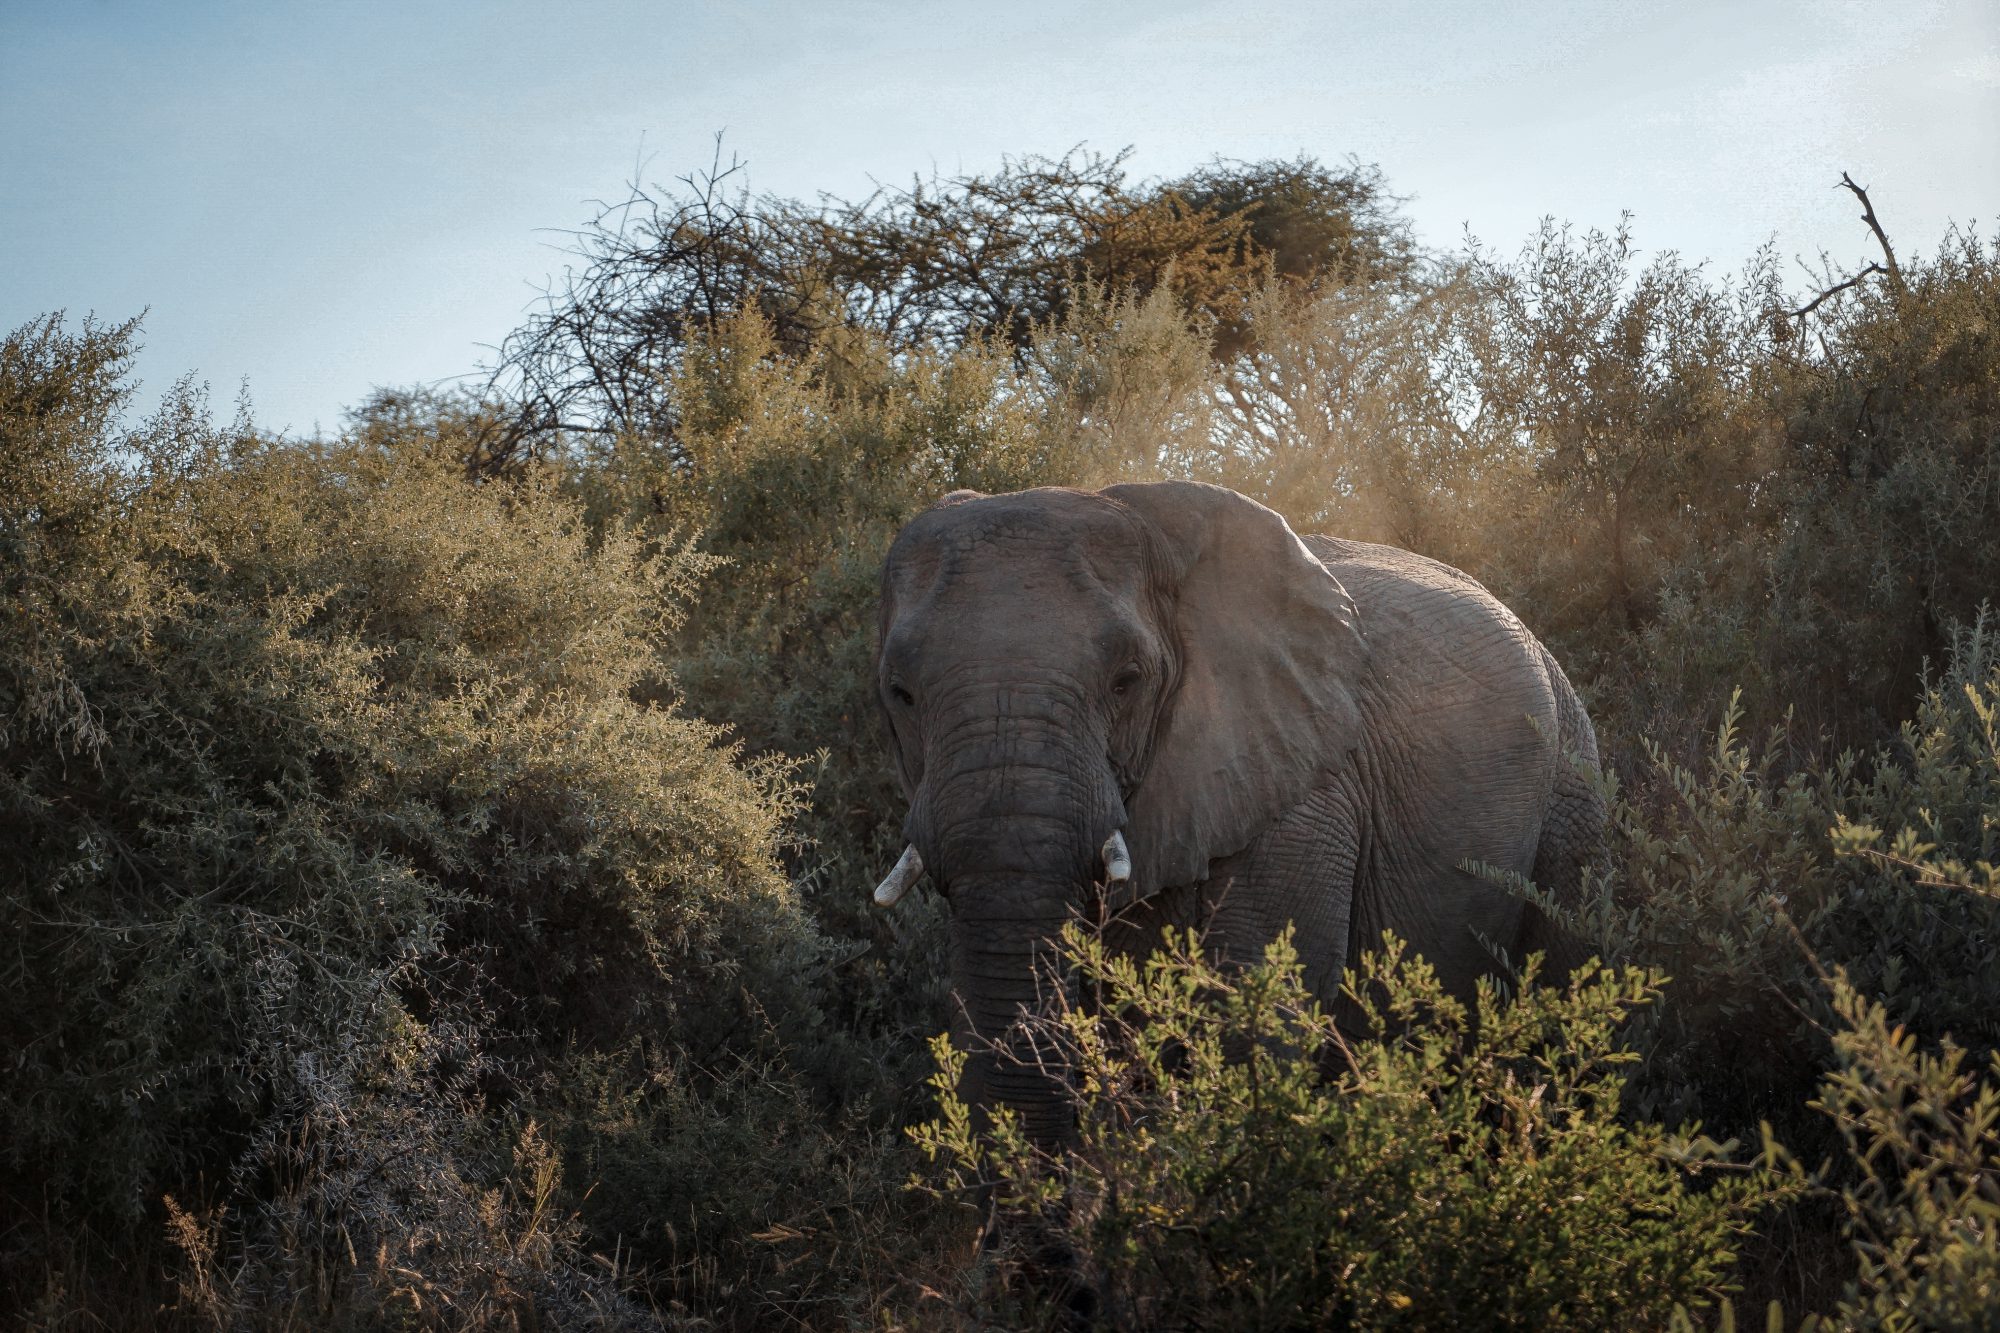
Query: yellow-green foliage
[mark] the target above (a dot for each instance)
(311, 750)
(439, 854)
(1743, 882)
(1923, 1134)
(1454, 1166)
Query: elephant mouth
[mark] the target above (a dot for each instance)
(1114, 871)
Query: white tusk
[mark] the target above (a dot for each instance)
(1117, 861)
(907, 871)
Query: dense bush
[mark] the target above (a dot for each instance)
(437, 857)
(314, 754)
(1922, 1134)
(1241, 1162)
(1892, 436)
(1465, 1168)
(1745, 883)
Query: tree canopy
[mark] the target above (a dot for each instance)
(940, 263)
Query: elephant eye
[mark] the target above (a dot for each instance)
(901, 695)
(1122, 683)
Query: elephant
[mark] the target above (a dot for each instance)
(1157, 705)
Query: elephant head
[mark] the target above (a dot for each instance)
(1091, 696)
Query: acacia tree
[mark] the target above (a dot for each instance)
(592, 360)
(1312, 227)
(941, 263)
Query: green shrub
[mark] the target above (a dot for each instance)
(1893, 435)
(1742, 881)
(1913, 1180)
(1710, 875)
(1461, 1167)
(1922, 1133)
(1905, 926)
(311, 753)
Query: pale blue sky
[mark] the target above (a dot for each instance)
(325, 197)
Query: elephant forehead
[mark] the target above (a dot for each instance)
(1043, 543)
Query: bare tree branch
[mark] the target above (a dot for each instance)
(943, 262)
(1893, 273)
(1868, 216)
(1833, 291)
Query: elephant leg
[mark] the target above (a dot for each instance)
(1301, 873)
(1571, 838)
(1572, 833)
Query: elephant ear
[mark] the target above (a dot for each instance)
(1271, 654)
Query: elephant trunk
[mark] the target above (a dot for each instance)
(1005, 968)
(1013, 829)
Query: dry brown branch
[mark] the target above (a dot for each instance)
(1890, 270)
(1882, 237)
(1833, 291)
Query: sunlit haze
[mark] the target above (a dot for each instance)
(317, 199)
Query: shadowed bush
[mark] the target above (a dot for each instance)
(1745, 883)
(311, 752)
(449, 891)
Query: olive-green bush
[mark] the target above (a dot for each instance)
(312, 754)
(1745, 883)
(437, 856)
(1241, 1163)
(1922, 1133)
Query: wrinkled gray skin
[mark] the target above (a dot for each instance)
(1313, 731)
